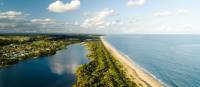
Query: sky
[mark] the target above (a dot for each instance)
(100, 16)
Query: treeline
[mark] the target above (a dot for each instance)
(14, 49)
(102, 70)
(6, 40)
(11, 54)
(20, 39)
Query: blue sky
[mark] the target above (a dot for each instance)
(100, 16)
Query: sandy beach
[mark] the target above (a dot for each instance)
(135, 73)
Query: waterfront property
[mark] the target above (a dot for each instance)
(57, 70)
(17, 48)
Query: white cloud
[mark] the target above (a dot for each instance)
(76, 23)
(163, 13)
(175, 28)
(16, 21)
(171, 13)
(43, 21)
(11, 15)
(188, 26)
(99, 20)
(59, 6)
(116, 22)
(7, 25)
(135, 2)
(12, 19)
(182, 11)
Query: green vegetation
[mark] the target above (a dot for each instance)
(20, 39)
(11, 54)
(102, 71)
(6, 40)
(15, 48)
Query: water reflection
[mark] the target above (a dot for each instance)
(67, 61)
(53, 71)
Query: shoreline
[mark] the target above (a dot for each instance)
(134, 72)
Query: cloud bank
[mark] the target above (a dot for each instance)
(11, 15)
(43, 21)
(171, 13)
(99, 20)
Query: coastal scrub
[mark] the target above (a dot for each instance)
(102, 70)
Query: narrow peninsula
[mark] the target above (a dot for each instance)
(135, 73)
(108, 68)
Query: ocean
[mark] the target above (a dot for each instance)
(172, 59)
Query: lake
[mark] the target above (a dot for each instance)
(52, 71)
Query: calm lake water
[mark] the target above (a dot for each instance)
(53, 71)
(174, 59)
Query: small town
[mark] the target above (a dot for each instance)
(19, 49)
